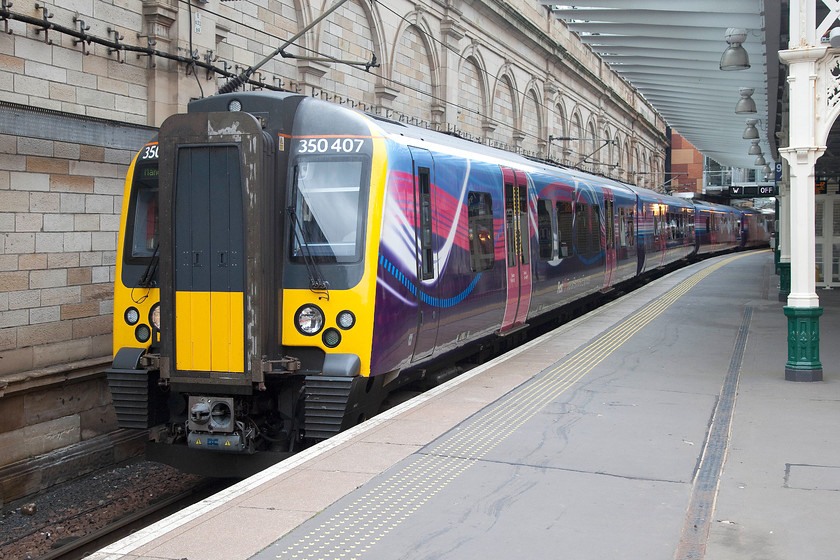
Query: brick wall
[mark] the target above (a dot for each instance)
(59, 218)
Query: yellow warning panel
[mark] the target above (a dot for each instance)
(209, 331)
(228, 350)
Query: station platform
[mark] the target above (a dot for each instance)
(659, 426)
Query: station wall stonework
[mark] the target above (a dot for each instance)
(501, 72)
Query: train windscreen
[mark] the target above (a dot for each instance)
(327, 201)
(143, 229)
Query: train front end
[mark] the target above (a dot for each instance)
(262, 266)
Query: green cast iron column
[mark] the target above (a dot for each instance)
(784, 281)
(803, 362)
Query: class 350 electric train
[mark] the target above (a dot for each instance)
(285, 262)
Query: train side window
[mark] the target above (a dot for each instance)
(564, 228)
(544, 229)
(631, 229)
(482, 246)
(609, 216)
(582, 229)
(656, 225)
(427, 270)
(595, 243)
(622, 227)
(524, 231)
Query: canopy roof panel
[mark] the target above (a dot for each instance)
(670, 51)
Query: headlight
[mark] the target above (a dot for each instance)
(235, 105)
(309, 320)
(346, 319)
(154, 316)
(331, 338)
(132, 315)
(143, 333)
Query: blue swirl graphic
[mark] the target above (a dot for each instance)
(426, 298)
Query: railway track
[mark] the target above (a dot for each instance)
(75, 519)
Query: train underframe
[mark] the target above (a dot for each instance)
(212, 431)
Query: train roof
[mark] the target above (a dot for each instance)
(422, 137)
(417, 136)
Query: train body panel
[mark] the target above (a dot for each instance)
(293, 260)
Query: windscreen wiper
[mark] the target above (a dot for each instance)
(147, 280)
(316, 280)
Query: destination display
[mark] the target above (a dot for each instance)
(752, 191)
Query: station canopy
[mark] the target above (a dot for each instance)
(671, 52)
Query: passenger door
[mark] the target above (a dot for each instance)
(517, 249)
(428, 312)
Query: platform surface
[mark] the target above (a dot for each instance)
(657, 427)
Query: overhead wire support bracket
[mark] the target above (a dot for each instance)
(83, 29)
(46, 25)
(5, 7)
(235, 83)
(118, 47)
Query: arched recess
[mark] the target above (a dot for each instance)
(606, 152)
(355, 24)
(415, 67)
(576, 144)
(472, 94)
(637, 167)
(505, 113)
(615, 169)
(592, 143)
(532, 121)
(628, 163)
(558, 129)
(279, 66)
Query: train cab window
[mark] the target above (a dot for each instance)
(144, 229)
(545, 229)
(565, 229)
(482, 247)
(328, 201)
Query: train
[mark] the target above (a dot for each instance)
(285, 263)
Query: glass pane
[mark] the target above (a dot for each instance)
(818, 218)
(144, 236)
(482, 250)
(819, 263)
(836, 219)
(328, 212)
(835, 264)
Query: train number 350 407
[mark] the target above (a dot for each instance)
(327, 145)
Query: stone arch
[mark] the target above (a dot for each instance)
(615, 162)
(505, 108)
(628, 162)
(360, 29)
(606, 152)
(591, 144)
(417, 74)
(533, 121)
(472, 94)
(576, 147)
(558, 128)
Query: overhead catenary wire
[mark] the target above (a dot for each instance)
(192, 61)
(547, 108)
